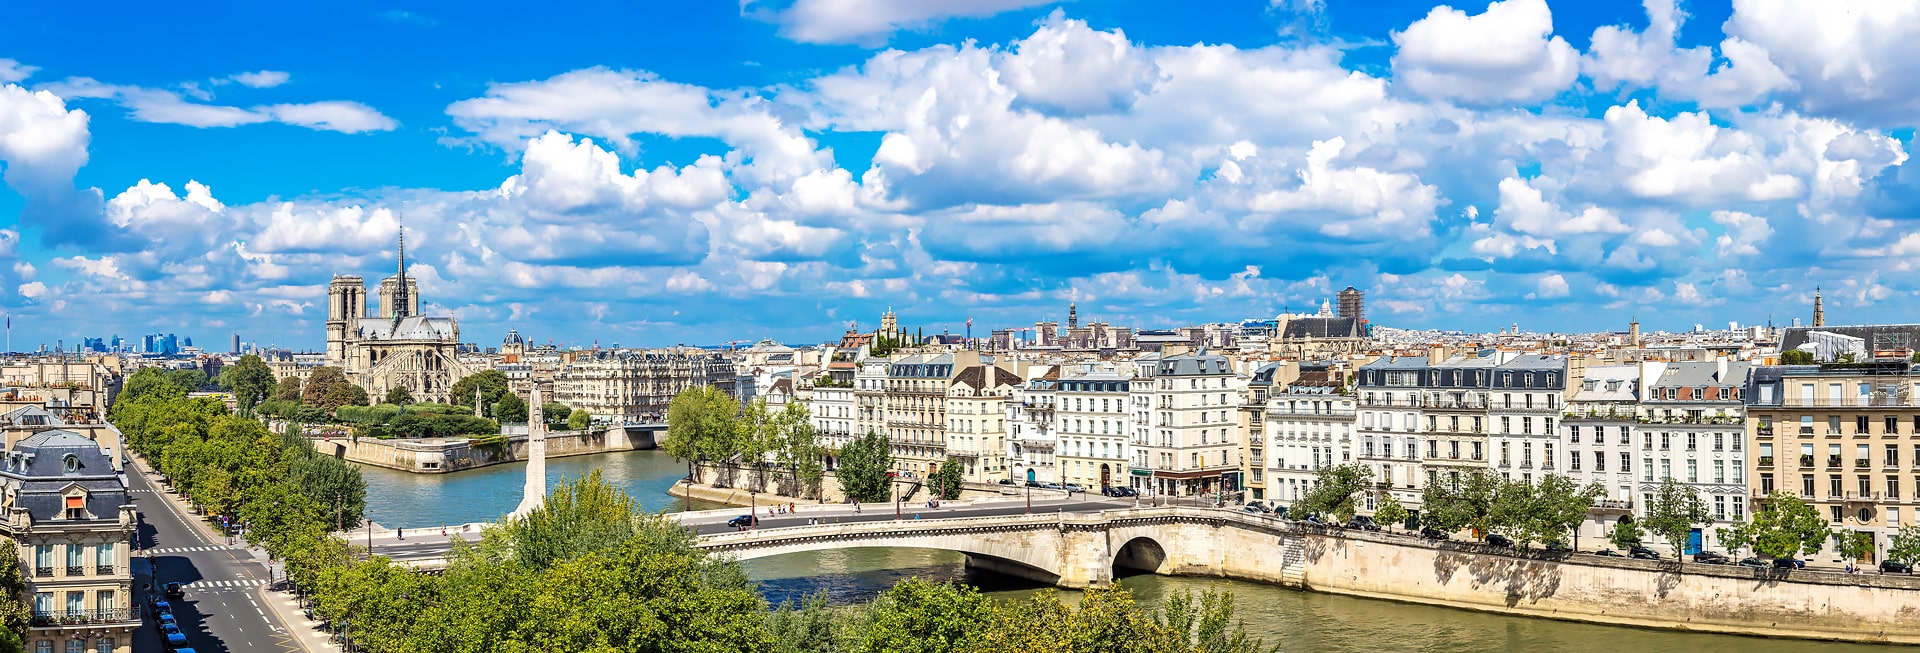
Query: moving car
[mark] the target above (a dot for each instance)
(1364, 523)
(1643, 553)
(743, 521)
(1433, 534)
(1608, 553)
(1896, 566)
(1005, 481)
(1755, 563)
(1499, 540)
(161, 606)
(1072, 488)
(1711, 558)
(175, 590)
(1789, 563)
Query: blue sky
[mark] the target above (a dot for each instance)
(657, 173)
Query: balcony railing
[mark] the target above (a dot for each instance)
(103, 570)
(76, 570)
(1862, 463)
(1613, 504)
(1764, 431)
(1833, 461)
(1874, 399)
(42, 572)
(80, 617)
(1766, 461)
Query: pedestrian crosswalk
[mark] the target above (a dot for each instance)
(244, 583)
(185, 549)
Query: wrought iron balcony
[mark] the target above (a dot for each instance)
(83, 617)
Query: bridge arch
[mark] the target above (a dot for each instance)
(1141, 555)
(975, 560)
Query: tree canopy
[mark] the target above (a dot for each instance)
(947, 481)
(1784, 525)
(1335, 492)
(249, 380)
(327, 389)
(864, 466)
(492, 385)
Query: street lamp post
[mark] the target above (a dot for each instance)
(753, 510)
(1029, 499)
(896, 497)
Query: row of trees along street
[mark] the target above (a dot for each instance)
(327, 396)
(591, 570)
(708, 426)
(1782, 525)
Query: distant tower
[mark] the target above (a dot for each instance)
(1353, 303)
(1326, 308)
(1633, 332)
(1819, 312)
(889, 325)
(346, 304)
(1073, 315)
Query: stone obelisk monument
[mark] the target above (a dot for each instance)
(536, 492)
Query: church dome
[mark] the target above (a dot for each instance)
(513, 339)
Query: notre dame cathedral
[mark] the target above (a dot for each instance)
(396, 347)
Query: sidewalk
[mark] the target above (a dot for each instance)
(306, 631)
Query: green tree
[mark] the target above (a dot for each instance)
(327, 389)
(556, 413)
(491, 384)
(578, 517)
(1852, 545)
(1625, 533)
(510, 409)
(698, 417)
(755, 436)
(864, 464)
(15, 613)
(1205, 623)
(288, 390)
(947, 481)
(579, 419)
(1334, 492)
(1546, 512)
(1905, 544)
(1390, 513)
(151, 381)
(188, 380)
(1470, 505)
(398, 395)
(919, 616)
(1784, 526)
(250, 381)
(798, 448)
(1736, 536)
(1796, 357)
(1673, 512)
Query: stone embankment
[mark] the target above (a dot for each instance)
(749, 489)
(443, 455)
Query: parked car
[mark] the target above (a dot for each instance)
(165, 621)
(1125, 492)
(1005, 481)
(1073, 488)
(1252, 508)
(1499, 540)
(1557, 546)
(1364, 523)
(175, 590)
(1711, 558)
(1789, 563)
(743, 521)
(175, 638)
(1755, 563)
(1033, 484)
(161, 606)
(1052, 486)
(1608, 553)
(1643, 553)
(1896, 566)
(1433, 534)
(1315, 520)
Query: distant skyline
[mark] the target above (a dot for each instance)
(653, 174)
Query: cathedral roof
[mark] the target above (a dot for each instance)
(513, 339)
(413, 327)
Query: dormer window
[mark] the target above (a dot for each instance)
(70, 463)
(76, 506)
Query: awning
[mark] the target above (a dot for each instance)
(1143, 472)
(76, 502)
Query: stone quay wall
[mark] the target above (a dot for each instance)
(443, 455)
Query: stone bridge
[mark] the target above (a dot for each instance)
(1064, 549)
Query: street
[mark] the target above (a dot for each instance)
(221, 610)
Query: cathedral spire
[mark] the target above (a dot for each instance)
(401, 302)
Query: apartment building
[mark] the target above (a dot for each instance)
(1842, 436)
(831, 407)
(977, 421)
(1091, 426)
(1524, 399)
(869, 397)
(70, 515)
(1389, 424)
(1192, 448)
(1307, 425)
(1597, 435)
(1141, 392)
(637, 385)
(1031, 445)
(1695, 433)
(1453, 407)
(915, 405)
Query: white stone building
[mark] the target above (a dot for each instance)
(1091, 425)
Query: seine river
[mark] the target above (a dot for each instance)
(1301, 621)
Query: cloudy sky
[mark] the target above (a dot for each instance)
(653, 173)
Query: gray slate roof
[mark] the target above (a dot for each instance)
(36, 470)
